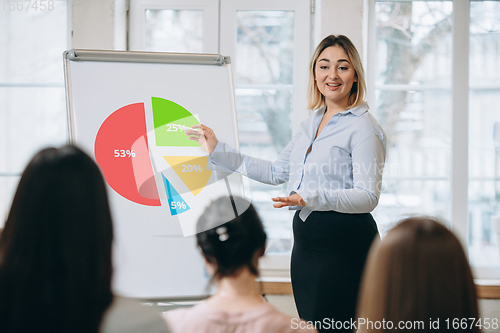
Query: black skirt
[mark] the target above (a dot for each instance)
(328, 257)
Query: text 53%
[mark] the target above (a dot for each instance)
(124, 153)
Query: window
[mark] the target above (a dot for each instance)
(419, 92)
(268, 42)
(484, 136)
(264, 101)
(184, 26)
(413, 105)
(32, 102)
(174, 30)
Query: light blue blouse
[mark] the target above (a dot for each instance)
(342, 172)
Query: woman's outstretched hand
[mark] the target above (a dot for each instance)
(293, 200)
(204, 136)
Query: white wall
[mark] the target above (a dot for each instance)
(339, 17)
(92, 24)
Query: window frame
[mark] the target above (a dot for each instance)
(224, 20)
(210, 8)
(275, 264)
(459, 178)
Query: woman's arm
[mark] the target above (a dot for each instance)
(225, 158)
(368, 158)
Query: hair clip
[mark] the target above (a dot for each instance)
(222, 232)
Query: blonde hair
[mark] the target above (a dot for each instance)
(315, 98)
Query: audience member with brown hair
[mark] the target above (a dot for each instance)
(418, 275)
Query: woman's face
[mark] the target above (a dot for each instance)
(335, 76)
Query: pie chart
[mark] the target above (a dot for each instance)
(122, 152)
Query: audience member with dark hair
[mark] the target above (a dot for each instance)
(55, 253)
(232, 246)
(418, 273)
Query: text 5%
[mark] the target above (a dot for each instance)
(178, 205)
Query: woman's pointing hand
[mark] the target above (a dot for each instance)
(204, 136)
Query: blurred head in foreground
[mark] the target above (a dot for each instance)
(231, 237)
(55, 249)
(418, 273)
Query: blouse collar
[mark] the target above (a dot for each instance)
(357, 111)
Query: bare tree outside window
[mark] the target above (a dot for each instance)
(410, 36)
(413, 105)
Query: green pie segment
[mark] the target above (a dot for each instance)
(169, 119)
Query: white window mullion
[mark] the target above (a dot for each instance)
(460, 111)
(274, 264)
(370, 55)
